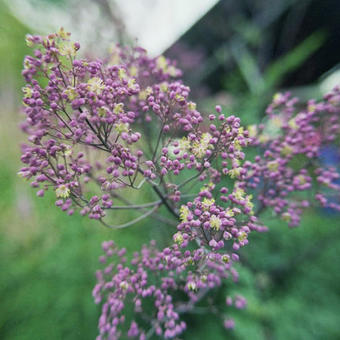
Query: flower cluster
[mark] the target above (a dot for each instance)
(152, 278)
(98, 128)
(288, 172)
(81, 116)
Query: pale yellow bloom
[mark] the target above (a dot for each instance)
(71, 93)
(161, 63)
(199, 148)
(242, 236)
(133, 70)
(124, 285)
(122, 127)
(229, 213)
(184, 213)
(249, 203)
(292, 124)
(28, 92)
(67, 48)
(192, 106)
(234, 173)
(164, 87)
(118, 108)
(96, 85)
(286, 217)
(68, 151)
(207, 203)
(122, 74)
(273, 166)
(252, 130)
(132, 84)
(62, 191)
(102, 111)
(239, 194)
(286, 150)
(192, 286)
(178, 238)
(215, 222)
(63, 34)
(145, 93)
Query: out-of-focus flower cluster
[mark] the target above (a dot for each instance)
(155, 275)
(288, 171)
(99, 127)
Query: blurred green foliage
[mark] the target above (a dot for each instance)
(248, 89)
(12, 48)
(252, 88)
(48, 260)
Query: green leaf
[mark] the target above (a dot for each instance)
(293, 59)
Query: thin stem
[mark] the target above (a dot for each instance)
(190, 179)
(188, 307)
(136, 206)
(161, 196)
(128, 224)
(164, 201)
(97, 134)
(157, 145)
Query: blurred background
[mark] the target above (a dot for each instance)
(236, 53)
